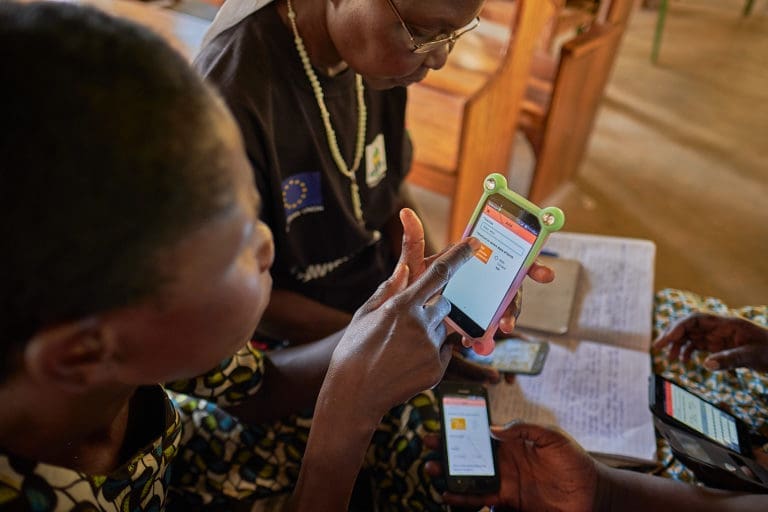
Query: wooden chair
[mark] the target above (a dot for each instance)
(462, 119)
(563, 97)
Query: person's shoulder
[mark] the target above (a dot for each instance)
(238, 54)
(225, 49)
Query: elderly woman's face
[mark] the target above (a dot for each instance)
(370, 38)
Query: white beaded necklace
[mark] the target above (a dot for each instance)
(329, 131)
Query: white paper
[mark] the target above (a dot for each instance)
(595, 381)
(597, 393)
(614, 298)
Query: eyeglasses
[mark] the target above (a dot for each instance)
(437, 42)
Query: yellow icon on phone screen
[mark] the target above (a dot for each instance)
(458, 424)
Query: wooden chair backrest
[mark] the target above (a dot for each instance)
(462, 131)
(585, 65)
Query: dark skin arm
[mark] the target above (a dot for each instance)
(298, 318)
(293, 377)
(543, 469)
(393, 349)
(733, 342)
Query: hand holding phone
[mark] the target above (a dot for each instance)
(512, 231)
(468, 452)
(711, 442)
(676, 405)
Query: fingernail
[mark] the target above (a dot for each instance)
(474, 243)
(711, 364)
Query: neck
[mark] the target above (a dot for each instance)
(80, 431)
(312, 26)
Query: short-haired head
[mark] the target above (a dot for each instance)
(110, 151)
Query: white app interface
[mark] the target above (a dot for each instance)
(480, 284)
(701, 416)
(467, 436)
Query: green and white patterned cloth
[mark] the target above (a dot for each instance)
(204, 458)
(742, 391)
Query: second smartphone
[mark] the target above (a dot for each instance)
(514, 355)
(469, 457)
(677, 406)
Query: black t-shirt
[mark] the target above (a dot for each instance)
(322, 251)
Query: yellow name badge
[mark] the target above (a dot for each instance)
(375, 161)
(458, 424)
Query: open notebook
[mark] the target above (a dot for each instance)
(594, 383)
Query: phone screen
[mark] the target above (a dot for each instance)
(701, 416)
(511, 355)
(467, 436)
(507, 234)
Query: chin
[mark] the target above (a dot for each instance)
(411, 79)
(381, 84)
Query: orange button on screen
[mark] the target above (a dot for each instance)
(484, 253)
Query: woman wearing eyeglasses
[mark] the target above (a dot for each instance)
(318, 88)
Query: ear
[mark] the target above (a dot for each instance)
(74, 356)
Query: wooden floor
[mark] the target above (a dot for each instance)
(680, 152)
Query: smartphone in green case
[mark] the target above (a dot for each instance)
(512, 231)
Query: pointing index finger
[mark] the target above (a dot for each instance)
(444, 267)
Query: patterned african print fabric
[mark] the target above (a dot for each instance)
(140, 484)
(144, 482)
(205, 459)
(396, 458)
(265, 459)
(742, 391)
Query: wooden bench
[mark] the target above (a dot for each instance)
(463, 118)
(563, 97)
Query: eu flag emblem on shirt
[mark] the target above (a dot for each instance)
(302, 193)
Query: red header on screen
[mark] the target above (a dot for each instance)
(509, 224)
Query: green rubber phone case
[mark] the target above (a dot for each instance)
(551, 219)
